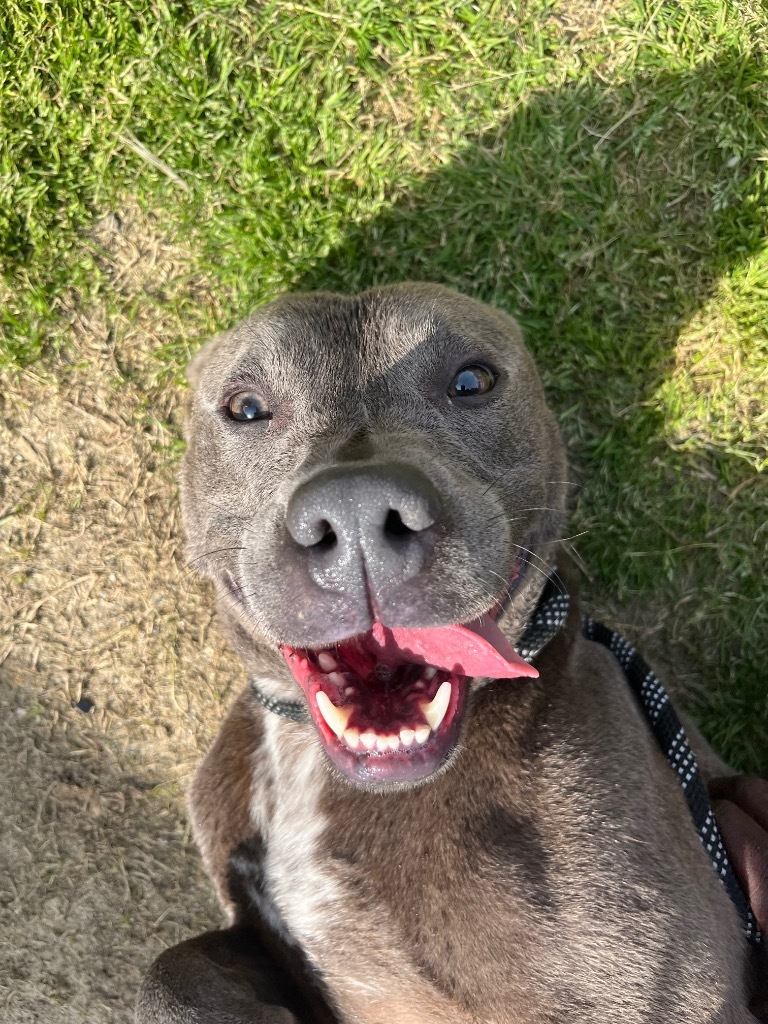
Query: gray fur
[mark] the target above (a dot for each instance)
(551, 871)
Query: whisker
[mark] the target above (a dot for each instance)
(512, 469)
(507, 583)
(230, 515)
(493, 483)
(509, 586)
(533, 554)
(574, 536)
(531, 508)
(549, 573)
(493, 519)
(571, 548)
(241, 617)
(190, 566)
(538, 568)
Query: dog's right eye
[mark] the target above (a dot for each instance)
(475, 379)
(247, 406)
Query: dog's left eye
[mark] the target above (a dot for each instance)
(247, 406)
(472, 380)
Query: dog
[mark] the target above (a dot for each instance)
(405, 819)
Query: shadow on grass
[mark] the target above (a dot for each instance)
(603, 218)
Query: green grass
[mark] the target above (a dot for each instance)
(606, 185)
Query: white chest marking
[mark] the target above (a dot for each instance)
(303, 889)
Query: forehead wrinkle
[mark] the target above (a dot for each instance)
(257, 342)
(392, 331)
(421, 365)
(294, 352)
(356, 355)
(318, 343)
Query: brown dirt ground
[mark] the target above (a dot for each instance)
(97, 869)
(98, 873)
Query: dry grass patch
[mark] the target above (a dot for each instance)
(97, 872)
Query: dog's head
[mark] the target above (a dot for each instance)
(374, 484)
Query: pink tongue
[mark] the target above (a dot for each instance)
(478, 648)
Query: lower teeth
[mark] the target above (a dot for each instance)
(370, 740)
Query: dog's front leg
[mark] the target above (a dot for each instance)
(233, 976)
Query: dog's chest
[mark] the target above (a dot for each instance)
(444, 907)
(326, 905)
(377, 900)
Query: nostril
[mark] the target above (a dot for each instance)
(394, 525)
(328, 539)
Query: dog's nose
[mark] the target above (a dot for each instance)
(357, 521)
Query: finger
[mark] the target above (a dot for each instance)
(747, 845)
(746, 791)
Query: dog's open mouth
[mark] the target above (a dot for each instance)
(388, 704)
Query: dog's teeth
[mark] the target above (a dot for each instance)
(394, 742)
(352, 738)
(429, 672)
(326, 661)
(336, 718)
(422, 733)
(382, 743)
(435, 710)
(407, 736)
(350, 691)
(368, 739)
(337, 679)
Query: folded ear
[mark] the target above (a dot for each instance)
(202, 358)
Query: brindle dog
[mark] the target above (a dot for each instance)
(376, 487)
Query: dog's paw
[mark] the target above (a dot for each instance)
(220, 978)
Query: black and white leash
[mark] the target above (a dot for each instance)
(670, 735)
(546, 621)
(293, 710)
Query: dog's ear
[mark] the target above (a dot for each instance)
(201, 359)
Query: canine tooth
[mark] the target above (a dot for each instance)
(326, 661)
(352, 738)
(421, 732)
(368, 739)
(429, 672)
(336, 718)
(394, 742)
(434, 711)
(337, 678)
(382, 743)
(407, 736)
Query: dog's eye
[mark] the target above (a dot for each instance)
(472, 380)
(247, 406)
